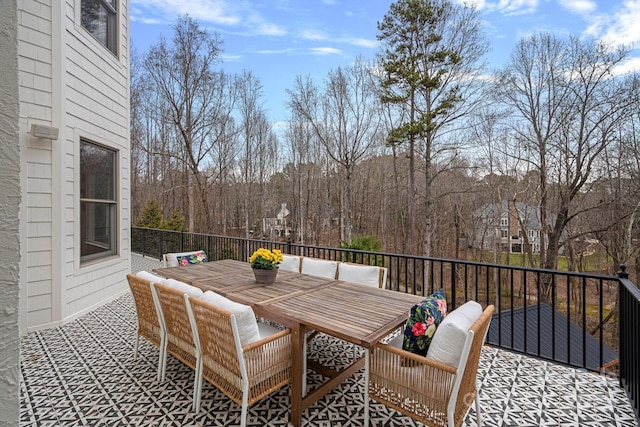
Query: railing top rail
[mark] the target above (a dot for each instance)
(631, 288)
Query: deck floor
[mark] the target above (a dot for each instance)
(85, 374)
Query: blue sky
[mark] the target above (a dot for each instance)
(279, 39)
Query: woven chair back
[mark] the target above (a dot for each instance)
(148, 324)
(176, 323)
(221, 365)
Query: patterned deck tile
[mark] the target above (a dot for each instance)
(85, 373)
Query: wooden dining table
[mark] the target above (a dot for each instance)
(356, 313)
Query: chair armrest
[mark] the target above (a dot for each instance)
(412, 359)
(263, 341)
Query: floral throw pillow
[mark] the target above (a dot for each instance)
(423, 321)
(195, 258)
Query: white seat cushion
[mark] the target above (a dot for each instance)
(265, 330)
(245, 318)
(364, 274)
(150, 277)
(319, 267)
(290, 263)
(448, 341)
(183, 287)
(171, 259)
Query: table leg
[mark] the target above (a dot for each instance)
(297, 353)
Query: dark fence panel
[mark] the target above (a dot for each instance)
(565, 317)
(629, 301)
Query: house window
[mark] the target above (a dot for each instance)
(98, 204)
(99, 18)
(504, 222)
(504, 232)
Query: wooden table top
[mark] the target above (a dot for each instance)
(356, 313)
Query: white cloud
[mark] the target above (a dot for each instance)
(321, 36)
(358, 41)
(479, 4)
(149, 21)
(624, 25)
(211, 11)
(628, 66)
(581, 7)
(517, 7)
(231, 58)
(323, 51)
(275, 51)
(317, 51)
(313, 35)
(227, 13)
(507, 7)
(268, 29)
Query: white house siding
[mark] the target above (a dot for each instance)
(69, 81)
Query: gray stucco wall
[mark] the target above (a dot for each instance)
(9, 221)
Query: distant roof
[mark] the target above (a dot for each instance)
(569, 337)
(528, 213)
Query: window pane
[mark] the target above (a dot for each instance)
(97, 172)
(100, 20)
(97, 229)
(98, 204)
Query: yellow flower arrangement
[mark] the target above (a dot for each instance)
(265, 259)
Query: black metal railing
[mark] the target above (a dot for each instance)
(565, 317)
(629, 307)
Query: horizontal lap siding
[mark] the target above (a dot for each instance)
(86, 95)
(35, 79)
(97, 108)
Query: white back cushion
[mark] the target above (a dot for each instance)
(183, 287)
(290, 263)
(319, 267)
(364, 274)
(171, 259)
(245, 318)
(449, 339)
(150, 277)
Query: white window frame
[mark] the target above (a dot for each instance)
(111, 249)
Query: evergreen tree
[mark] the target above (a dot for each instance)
(430, 61)
(151, 215)
(176, 222)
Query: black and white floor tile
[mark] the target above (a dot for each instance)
(85, 374)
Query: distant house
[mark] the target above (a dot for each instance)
(532, 332)
(73, 73)
(276, 225)
(508, 226)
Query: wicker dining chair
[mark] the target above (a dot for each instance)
(176, 335)
(245, 374)
(148, 324)
(370, 275)
(429, 391)
(319, 267)
(290, 263)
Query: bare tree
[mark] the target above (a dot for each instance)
(198, 101)
(616, 220)
(259, 152)
(566, 104)
(344, 118)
